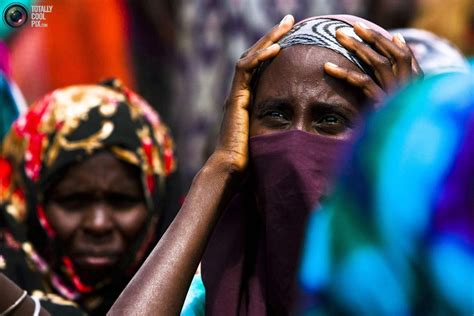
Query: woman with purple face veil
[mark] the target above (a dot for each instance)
(296, 98)
(402, 242)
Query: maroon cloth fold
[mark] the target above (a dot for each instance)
(250, 263)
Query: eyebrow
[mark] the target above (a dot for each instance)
(68, 186)
(275, 101)
(271, 102)
(348, 108)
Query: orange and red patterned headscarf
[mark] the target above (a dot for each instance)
(68, 126)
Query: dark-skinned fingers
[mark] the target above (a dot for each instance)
(240, 91)
(404, 69)
(403, 66)
(245, 66)
(357, 79)
(233, 138)
(252, 60)
(275, 34)
(396, 50)
(377, 40)
(415, 65)
(415, 69)
(380, 64)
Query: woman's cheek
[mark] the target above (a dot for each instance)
(64, 223)
(131, 221)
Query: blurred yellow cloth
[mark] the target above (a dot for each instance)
(450, 19)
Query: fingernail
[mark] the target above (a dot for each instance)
(346, 31)
(349, 32)
(272, 46)
(400, 38)
(286, 19)
(362, 25)
(331, 65)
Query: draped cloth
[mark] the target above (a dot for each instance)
(250, 263)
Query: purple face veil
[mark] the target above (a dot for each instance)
(251, 260)
(250, 263)
(292, 173)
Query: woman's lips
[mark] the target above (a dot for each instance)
(96, 261)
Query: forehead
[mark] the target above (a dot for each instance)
(99, 161)
(100, 171)
(298, 71)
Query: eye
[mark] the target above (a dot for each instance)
(275, 115)
(75, 202)
(275, 119)
(122, 201)
(331, 120)
(79, 202)
(332, 124)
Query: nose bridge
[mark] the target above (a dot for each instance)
(299, 124)
(300, 116)
(98, 217)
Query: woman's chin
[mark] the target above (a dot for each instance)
(94, 269)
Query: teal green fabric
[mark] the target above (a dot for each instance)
(195, 299)
(8, 107)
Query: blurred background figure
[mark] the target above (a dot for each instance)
(397, 235)
(88, 191)
(434, 54)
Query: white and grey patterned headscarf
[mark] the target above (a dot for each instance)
(321, 31)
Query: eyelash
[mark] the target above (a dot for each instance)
(274, 116)
(336, 115)
(338, 127)
(270, 112)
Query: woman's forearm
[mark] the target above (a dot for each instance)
(12, 298)
(161, 284)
